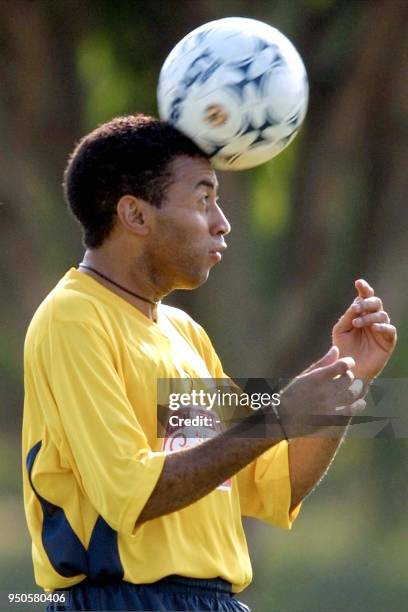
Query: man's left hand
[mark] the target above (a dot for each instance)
(365, 333)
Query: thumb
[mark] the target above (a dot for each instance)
(330, 357)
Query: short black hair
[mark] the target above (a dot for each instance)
(127, 155)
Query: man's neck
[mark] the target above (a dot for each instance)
(134, 291)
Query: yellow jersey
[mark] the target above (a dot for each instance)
(92, 456)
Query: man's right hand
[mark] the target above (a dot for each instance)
(322, 388)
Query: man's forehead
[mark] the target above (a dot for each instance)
(194, 171)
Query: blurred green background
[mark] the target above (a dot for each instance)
(328, 210)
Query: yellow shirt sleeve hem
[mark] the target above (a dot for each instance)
(284, 517)
(272, 477)
(135, 506)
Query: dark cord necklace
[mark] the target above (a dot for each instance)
(112, 282)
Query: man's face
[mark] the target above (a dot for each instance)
(187, 236)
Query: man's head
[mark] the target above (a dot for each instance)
(128, 155)
(139, 183)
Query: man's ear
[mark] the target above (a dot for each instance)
(134, 214)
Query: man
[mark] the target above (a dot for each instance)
(115, 519)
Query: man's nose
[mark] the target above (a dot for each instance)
(220, 224)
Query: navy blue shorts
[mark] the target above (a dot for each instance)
(168, 595)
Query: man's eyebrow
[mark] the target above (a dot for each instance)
(207, 183)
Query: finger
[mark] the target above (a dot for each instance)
(347, 397)
(353, 409)
(360, 305)
(345, 323)
(330, 357)
(345, 392)
(388, 331)
(339, 368)
(341, 384)
(364, 290)
(369, 319)
(372, 304)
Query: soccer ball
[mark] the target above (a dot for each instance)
(238, 88)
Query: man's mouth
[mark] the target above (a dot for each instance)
(216, 255)
(217, 252)
(219, 249)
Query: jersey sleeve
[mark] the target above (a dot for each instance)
(102, 439)
(264, 484)
(264, 488)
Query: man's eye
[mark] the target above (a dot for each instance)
(207, 198)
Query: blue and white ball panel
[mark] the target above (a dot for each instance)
(238, 88)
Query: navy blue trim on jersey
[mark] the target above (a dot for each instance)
(103, 553)
(64, 549)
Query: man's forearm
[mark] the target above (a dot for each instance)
(189, 475)
(309, 460)
(310, 457)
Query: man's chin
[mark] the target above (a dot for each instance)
(194, 281)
